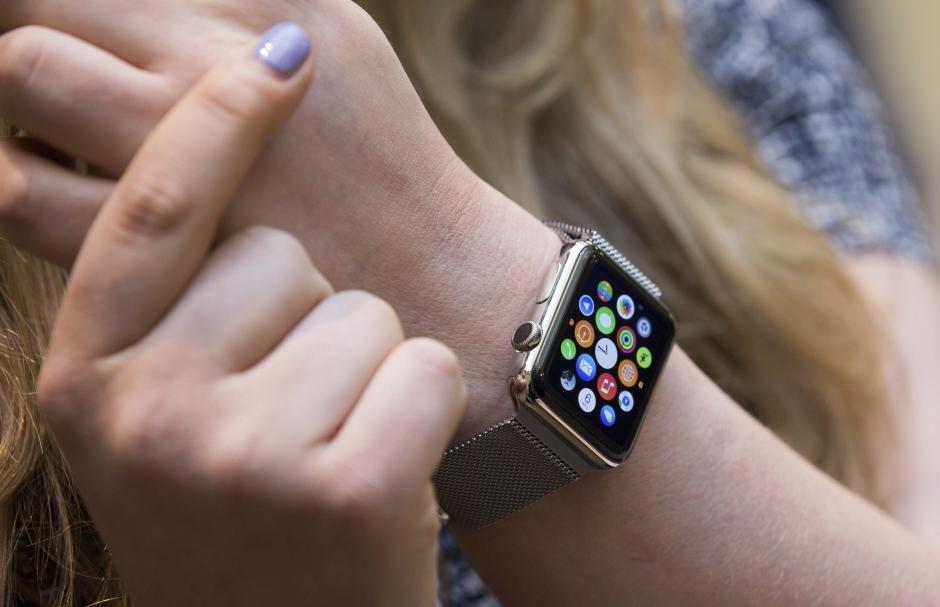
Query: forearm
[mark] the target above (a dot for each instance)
(709, 509)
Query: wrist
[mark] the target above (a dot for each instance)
(485, 263)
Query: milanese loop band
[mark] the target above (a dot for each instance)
(496, 473)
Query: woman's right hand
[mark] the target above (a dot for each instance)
(242, 435)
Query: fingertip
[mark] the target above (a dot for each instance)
(284, 48)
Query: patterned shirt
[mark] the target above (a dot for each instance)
(817, 126)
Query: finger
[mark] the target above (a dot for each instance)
(131, 36)
(77, 97)
(254, 288)
(45, 208)
(329, 357)
(154, 231)
(406, 417)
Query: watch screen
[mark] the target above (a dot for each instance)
(607, 353)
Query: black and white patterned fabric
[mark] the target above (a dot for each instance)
(817, 126)
(813, 117)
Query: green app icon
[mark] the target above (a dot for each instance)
(605, 321)
(644, 358)
(568, 349)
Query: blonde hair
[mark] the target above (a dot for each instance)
(586, 111)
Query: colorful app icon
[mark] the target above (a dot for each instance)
(568, 349)
(607, 386)
(606, 323)
(586, 367)
(584, 334)
(605, 292)
(606, 353)
(608, 415)
(626, 340)
(568, 380)
(628, 373)
(626, 401)
(625, 307)
(644, 327)
(644, 358)
(586, 305)
(586, 400)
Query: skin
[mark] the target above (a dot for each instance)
(229, 394)
(712, 496)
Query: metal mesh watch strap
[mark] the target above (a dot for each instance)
(498, 472)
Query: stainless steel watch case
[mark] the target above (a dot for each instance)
(577, 450)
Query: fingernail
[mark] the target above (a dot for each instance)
(283, 48)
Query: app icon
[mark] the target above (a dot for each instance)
(587, 369)
(568, 349)
(626, 401)
(628, 373)
(626, 340)
(584, 334)
(625, 307)
(604, 291)
(644, 327)
(587, 400)
(607, 386)
(586, 305)
(605, 321)
(644, 358)
(608, 415)
(568, 380)
(606, 353)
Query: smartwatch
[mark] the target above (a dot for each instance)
(589, 360)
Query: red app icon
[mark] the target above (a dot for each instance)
(607, 386)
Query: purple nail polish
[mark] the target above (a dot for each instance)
(283, 48)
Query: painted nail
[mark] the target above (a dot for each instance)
(283, 48)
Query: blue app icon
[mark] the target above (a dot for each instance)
(586, 305)
(586, 366)
(608, 415)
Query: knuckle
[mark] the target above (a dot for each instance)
(278, 244)
(21, 56)
(351, 495)
(139, 427)
(229, 464)
(434, 360)
(378, 313)
(291, 257)
(61, 388)
(151, 206)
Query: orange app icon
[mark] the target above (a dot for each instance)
(584, 334)
(628, 373)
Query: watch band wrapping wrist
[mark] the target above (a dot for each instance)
(498, 472)
(507, 467)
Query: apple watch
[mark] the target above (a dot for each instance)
(589, 361)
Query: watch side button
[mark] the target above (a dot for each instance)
(549, 287)
(527, 336)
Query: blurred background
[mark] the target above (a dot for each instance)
(898, 40)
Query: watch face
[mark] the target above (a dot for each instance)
(607, 350)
